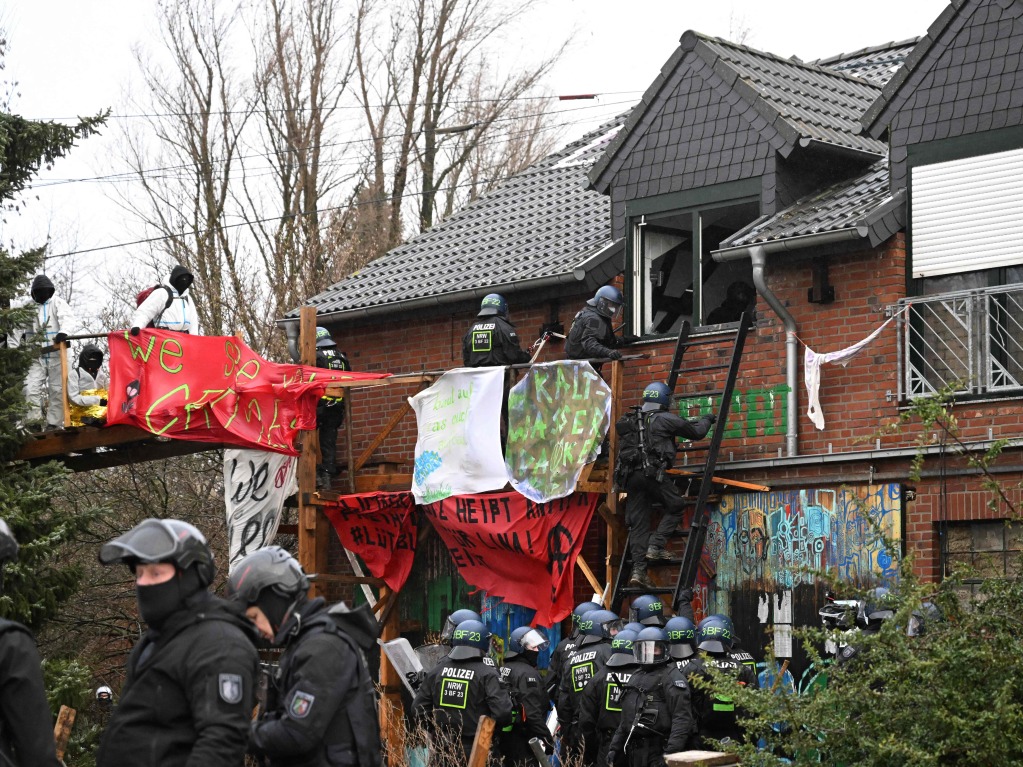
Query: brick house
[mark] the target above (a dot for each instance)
(846, 190)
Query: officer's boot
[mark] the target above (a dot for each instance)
(640, 577)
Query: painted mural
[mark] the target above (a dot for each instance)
(776, 540)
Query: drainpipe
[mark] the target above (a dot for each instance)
(758, 256)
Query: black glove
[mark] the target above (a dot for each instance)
(615, 354)
(60, 338)
(102, 401)
(629, 338)
(134, 331)
(611, 757)
(711, 419)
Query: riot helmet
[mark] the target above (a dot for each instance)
(324, 339)
(470, 639)
(714, 634)
(647, 610)
(607, 301)
(656, 396)
(42, 289)
(635, 626)
(452, 621)
(181, 279)
(493, 303)
(622, 649)
(651, 646)
(681, 636)
(526, 641)
(878, 607)
(600, 623)
(90, 358)
(272, 580)
(926, 613)
(839, 614)
(104, 696)
(162, 540)
(580, 610)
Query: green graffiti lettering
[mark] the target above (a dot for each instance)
(579, 422)
(539, 427)
(137, 351)
(170, 348)
(156, 404)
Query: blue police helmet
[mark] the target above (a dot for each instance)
(651, 646)
(647, 610)
(454, 619)
(581, 609)
(600, 623)
(656, 396)
(493, 303)
(607, 301)
(470, 639)
(525, 639)
(681, 636)
(323, 338)
(714, 634)
(633, 626)
(621, 649)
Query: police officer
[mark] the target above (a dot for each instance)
(647, 610)
(600, 709)
(330, 411)
(26, 726)
(529, 698)
(461, 689)
(321, 708)
(491, 340)
(657, 715)
(592, 334)
(716, 711)
(190, 685)
(596, 628)
(647, 484)
(681, 640)
(564, 647)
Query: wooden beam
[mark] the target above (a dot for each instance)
(54, 443)
(62, 730)
(615, 535)
(63, 384)
(581, 563)
(336, 388)
(722, 481)
(481, 743)
(349, 448)
(391, 723)
(312, 539)
(378, 440)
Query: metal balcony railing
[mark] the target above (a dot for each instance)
(970, 342)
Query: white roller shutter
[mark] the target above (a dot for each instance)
(968, 214)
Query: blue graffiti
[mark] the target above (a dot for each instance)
(426, 463)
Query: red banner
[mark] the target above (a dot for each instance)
(521, 551)
(213, 389)
(381, 529)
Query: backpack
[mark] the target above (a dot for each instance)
(633, 453)
(144, 294)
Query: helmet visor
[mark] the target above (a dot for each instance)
(648, 651)
(148, 542)
(447, 631)
(534, 640)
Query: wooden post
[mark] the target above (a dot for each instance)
(313, 527)
(62, 730)
(615, 538)
(481, 743)
(349, 450)
(391, 728)
(62, 351)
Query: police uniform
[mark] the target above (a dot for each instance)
(26, 729)
(456, 693)
(717, 714)
(591, 336)
(321, 708)
(529, 713)
(656, 717)
(561, 652)
(584, 663)
(189, 692)
(330, 411)
(491, 341)
(600, 710)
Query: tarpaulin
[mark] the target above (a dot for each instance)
(256, 484)
(213, 389)
(458, 450)
(381, 529)
(557, 416)
(521, 551)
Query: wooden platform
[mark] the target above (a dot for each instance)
(86, 448)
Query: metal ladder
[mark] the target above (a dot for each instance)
(701, 479)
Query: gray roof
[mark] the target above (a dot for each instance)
(878, 63)
(863, 204)
(540, 227)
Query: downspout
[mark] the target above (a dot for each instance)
(758, 257)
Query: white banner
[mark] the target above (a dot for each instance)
(256, 483)
(458, 451)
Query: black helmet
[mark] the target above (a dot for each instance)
(926, 613)
(90, 357)
(621, 649)
(270, 568)
(839, 614)
(324, 338)
(162, 540)
(470, 639)
(525, 639)
(600, 623)
(681, 636)
(493, 303)
(648, 610)
(714, 634)
(607, 301)
(458, 616)
(651, 646)
(8, 545)
(879, 606)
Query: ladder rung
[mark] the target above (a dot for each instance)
(721, 366)
(637, 590)
(709, 341)
(695, 394)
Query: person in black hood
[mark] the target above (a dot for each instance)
(190, 685)
(168, 307)
(320, 706)
(88, 376)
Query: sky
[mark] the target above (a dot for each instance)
(75, 58)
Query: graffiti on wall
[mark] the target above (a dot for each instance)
(778, 539)
(753, 412)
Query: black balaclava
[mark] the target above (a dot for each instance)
(42, 289)
(275, 607)
(181, 279)
(90, 359)
(530, 656)
(157, 603)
